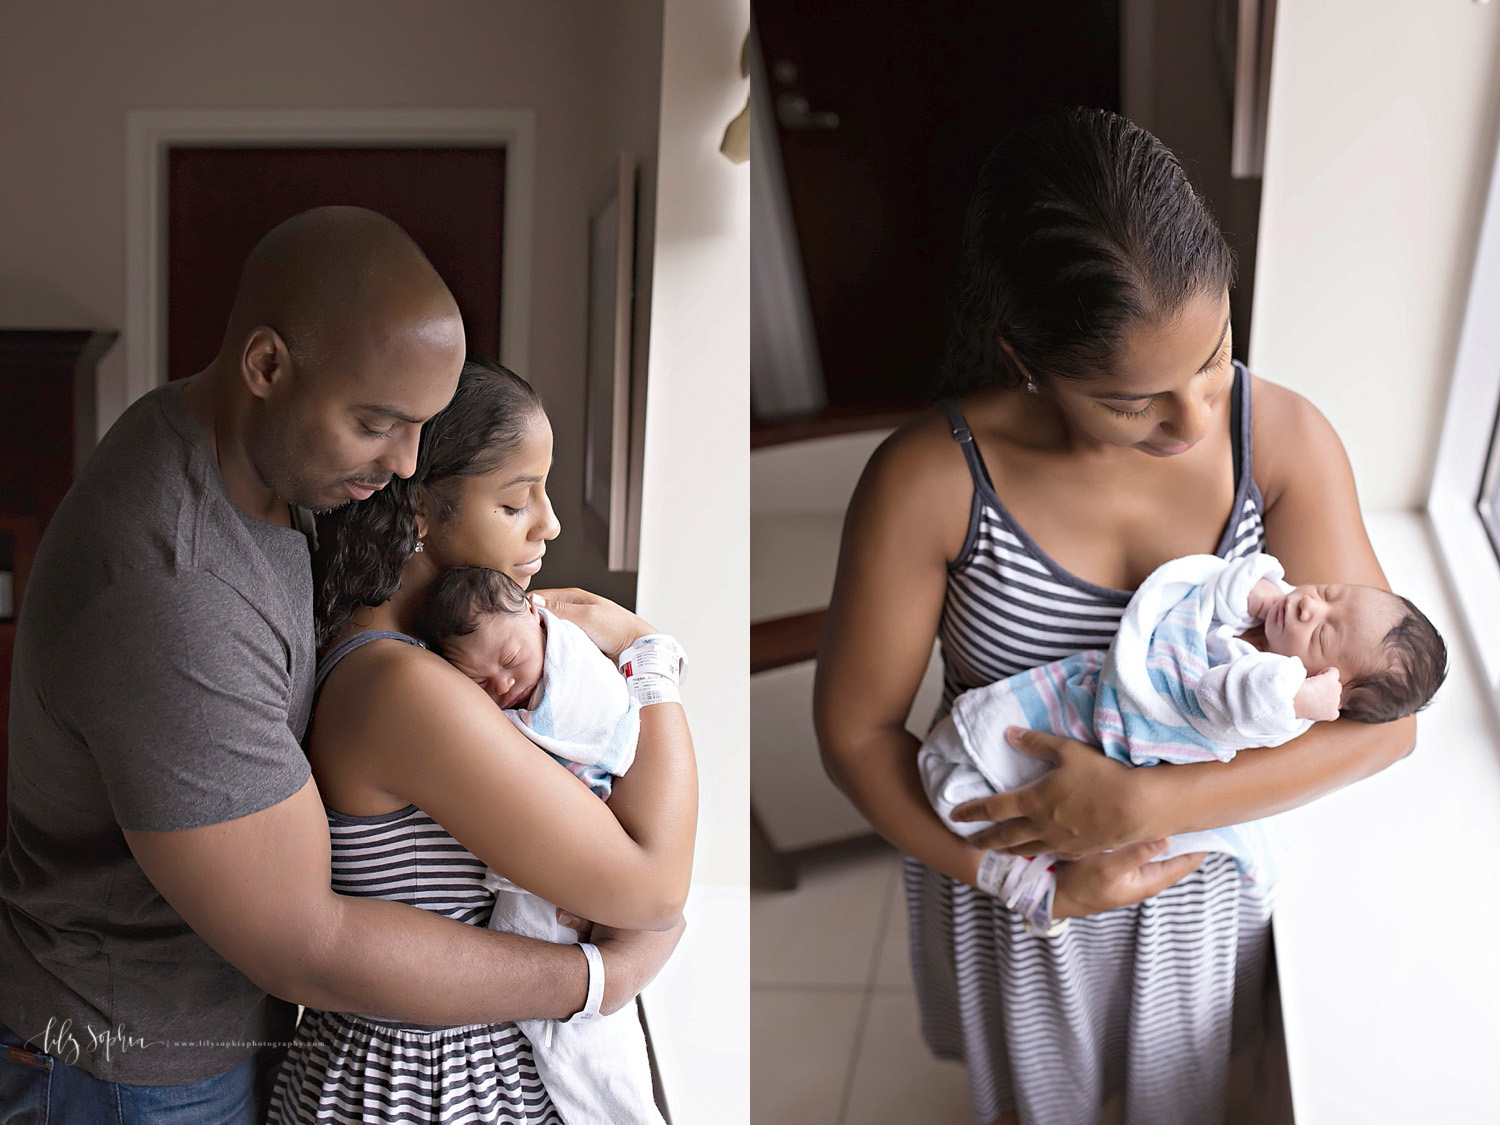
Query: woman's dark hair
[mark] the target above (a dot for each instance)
(464, 594)
(1419, 665)
(363, 546)
(1082, 226)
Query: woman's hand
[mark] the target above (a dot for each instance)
(1086, 803)
(1119, 878)
(632, 958)
(612, 627)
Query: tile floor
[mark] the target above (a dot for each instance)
(834, 1037)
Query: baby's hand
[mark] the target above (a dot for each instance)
(1318, 697)
(1263, 595)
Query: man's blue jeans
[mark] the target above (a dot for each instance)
(39, 1089)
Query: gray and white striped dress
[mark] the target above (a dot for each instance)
(1148, 999)
(349, 1068)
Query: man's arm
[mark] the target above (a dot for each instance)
(188, 724)
(257, 890)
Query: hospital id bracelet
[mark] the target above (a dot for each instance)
(993, 867)
(590, 1010)
(647, 689)
(1031, 897)
(1025, 886)
(1043, 924)
(655, 654)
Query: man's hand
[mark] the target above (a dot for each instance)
(1318, 697)
(1119, 878)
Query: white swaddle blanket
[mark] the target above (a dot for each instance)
(1179, 684)
(581, 712)
(593, 1072)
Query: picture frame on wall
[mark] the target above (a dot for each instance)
(607, 478)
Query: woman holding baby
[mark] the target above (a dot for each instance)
(1097, 427)
(431, 789)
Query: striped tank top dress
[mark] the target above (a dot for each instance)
(350, 1068)
(1147, 1000)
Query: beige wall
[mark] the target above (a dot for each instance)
(1383, 123)
(70, 69)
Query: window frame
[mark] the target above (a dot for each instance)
(1469, 436)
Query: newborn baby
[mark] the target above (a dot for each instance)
(1212, 657)
(570, 699)
(487, 627)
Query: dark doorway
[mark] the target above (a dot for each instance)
(921, 93)
(220, 201)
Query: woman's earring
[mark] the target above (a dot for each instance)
(417, 550)
(1030, 389)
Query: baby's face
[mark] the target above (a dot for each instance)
(1333, 626)
(503, 655)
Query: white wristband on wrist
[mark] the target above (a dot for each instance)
(1024, 886)
(653, 665)
(649, 689)
(590, 1010)
(656, 655)
(992, 868)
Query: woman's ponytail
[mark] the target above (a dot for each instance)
(361, 550)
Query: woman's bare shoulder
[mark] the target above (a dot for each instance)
(1280, 407)
(920, 454)
(1291, 438)
(915, 487)
(389, 685)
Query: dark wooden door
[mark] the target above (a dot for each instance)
(220, 202)
(922, 92)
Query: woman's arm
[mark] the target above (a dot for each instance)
(907, 518)
(1313, 525)
(429, 736)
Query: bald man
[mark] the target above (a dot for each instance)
(166, 873)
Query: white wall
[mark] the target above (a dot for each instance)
(1383, 123)
(70, 69)
(695, 550)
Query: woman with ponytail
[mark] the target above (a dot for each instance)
(427, 783)
(1095, 426)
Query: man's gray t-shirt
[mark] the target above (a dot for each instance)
(162, 680)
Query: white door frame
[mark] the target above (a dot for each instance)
(149, 133)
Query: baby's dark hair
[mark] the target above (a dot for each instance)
(463, 595)
(1419, 664)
